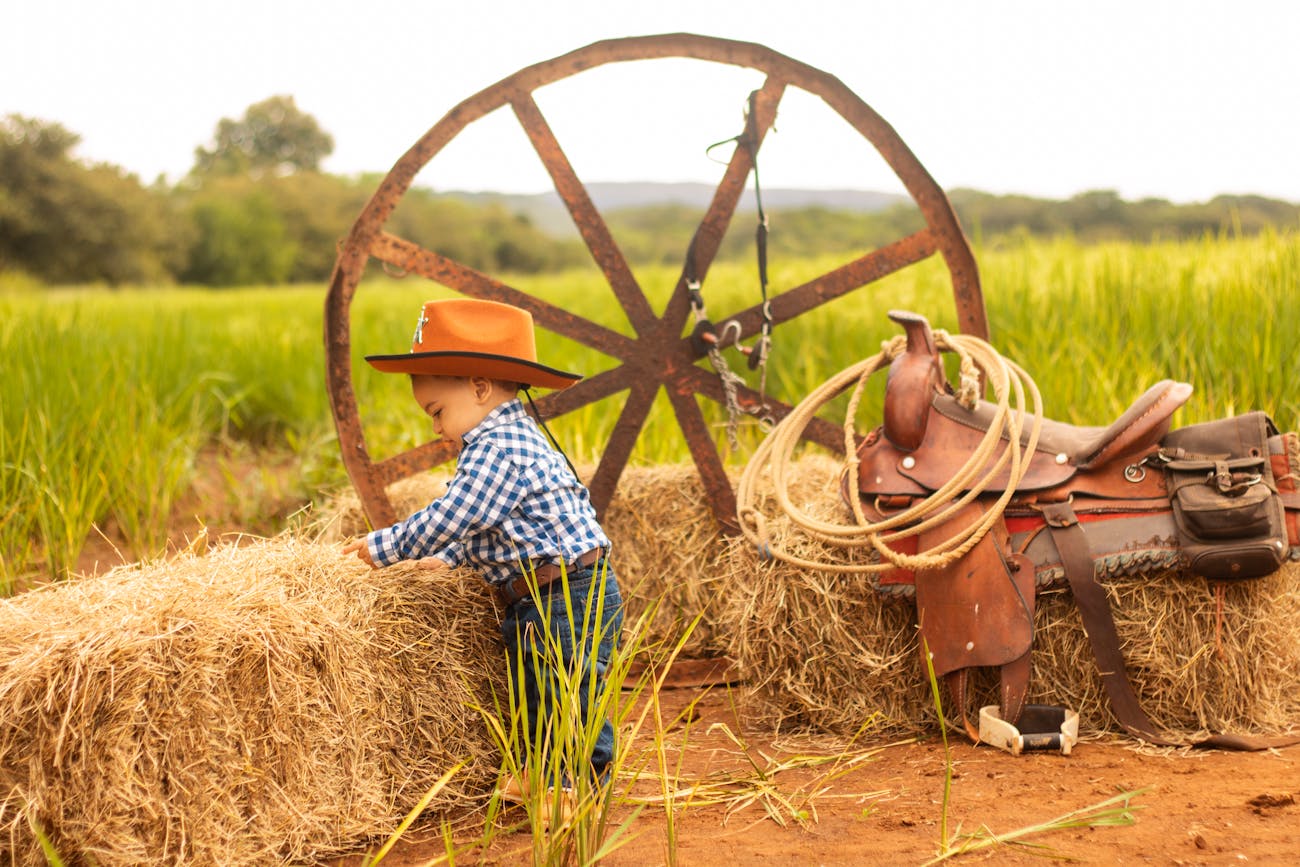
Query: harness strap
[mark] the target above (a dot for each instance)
(705, 337)
(758, 356)
(1076, 557)
(956, 683)
(1013, 687)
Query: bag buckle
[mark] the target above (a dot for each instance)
(1230, 483)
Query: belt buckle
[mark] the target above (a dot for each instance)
(506, 593)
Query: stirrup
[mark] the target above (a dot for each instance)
(1041, 727)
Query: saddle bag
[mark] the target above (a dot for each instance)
(1228, 513)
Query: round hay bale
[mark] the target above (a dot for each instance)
(265, 703)
(822, 650)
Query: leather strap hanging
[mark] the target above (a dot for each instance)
(1076, 557)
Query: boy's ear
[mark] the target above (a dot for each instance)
(482, 388)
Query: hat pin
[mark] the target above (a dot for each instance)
(418, 338)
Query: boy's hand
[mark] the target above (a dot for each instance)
(432, 564)
(362, 550)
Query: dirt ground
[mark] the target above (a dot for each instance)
(1192, 807)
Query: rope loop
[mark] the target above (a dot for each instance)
(1013, 388)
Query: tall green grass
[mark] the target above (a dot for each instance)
(109, 396)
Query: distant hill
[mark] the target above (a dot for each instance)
(653, 222)
(548, 213)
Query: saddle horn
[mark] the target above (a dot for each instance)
(914, 378)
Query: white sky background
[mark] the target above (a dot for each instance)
(1180, 100)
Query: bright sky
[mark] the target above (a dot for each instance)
(1181, 100)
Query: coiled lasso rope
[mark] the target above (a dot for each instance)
(976, 356)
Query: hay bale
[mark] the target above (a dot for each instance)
(1191, 668)
(819, 650)
(670, 555)
(668, 551)
(822, 650)
(264, 703)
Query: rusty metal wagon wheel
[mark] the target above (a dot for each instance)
(659, 355)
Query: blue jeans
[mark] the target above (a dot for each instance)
(583, 629)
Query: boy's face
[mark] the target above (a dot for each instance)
(455, 404)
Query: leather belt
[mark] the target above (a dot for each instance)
(545, 573)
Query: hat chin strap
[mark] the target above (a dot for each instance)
(525, 388)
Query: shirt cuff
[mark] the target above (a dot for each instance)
(383, 551)
(452, 555)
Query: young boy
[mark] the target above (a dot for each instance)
(514, 510)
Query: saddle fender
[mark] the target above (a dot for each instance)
(978, 611)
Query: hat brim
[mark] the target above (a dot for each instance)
(474, 364)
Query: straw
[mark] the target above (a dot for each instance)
(274, 701)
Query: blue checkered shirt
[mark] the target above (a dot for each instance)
(513, 500)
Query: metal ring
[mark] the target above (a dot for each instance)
(732, 327)
(1135, 473)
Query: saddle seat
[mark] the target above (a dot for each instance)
(952, 433)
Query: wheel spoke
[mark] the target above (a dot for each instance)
(589, 390)
(708, 235)
(621, 441)
(585, 216)
(878, 263)
(722, 498)
(411, 257)
(413, 461)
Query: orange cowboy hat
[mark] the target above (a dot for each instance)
(469, 337)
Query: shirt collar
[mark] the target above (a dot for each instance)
(507, 413)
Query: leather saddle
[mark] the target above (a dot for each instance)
(978, 611)
(928, 434)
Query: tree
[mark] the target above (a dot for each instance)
(240, 239)
(316, 210)
(273, 138)
(65, 222)
(486, 237)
